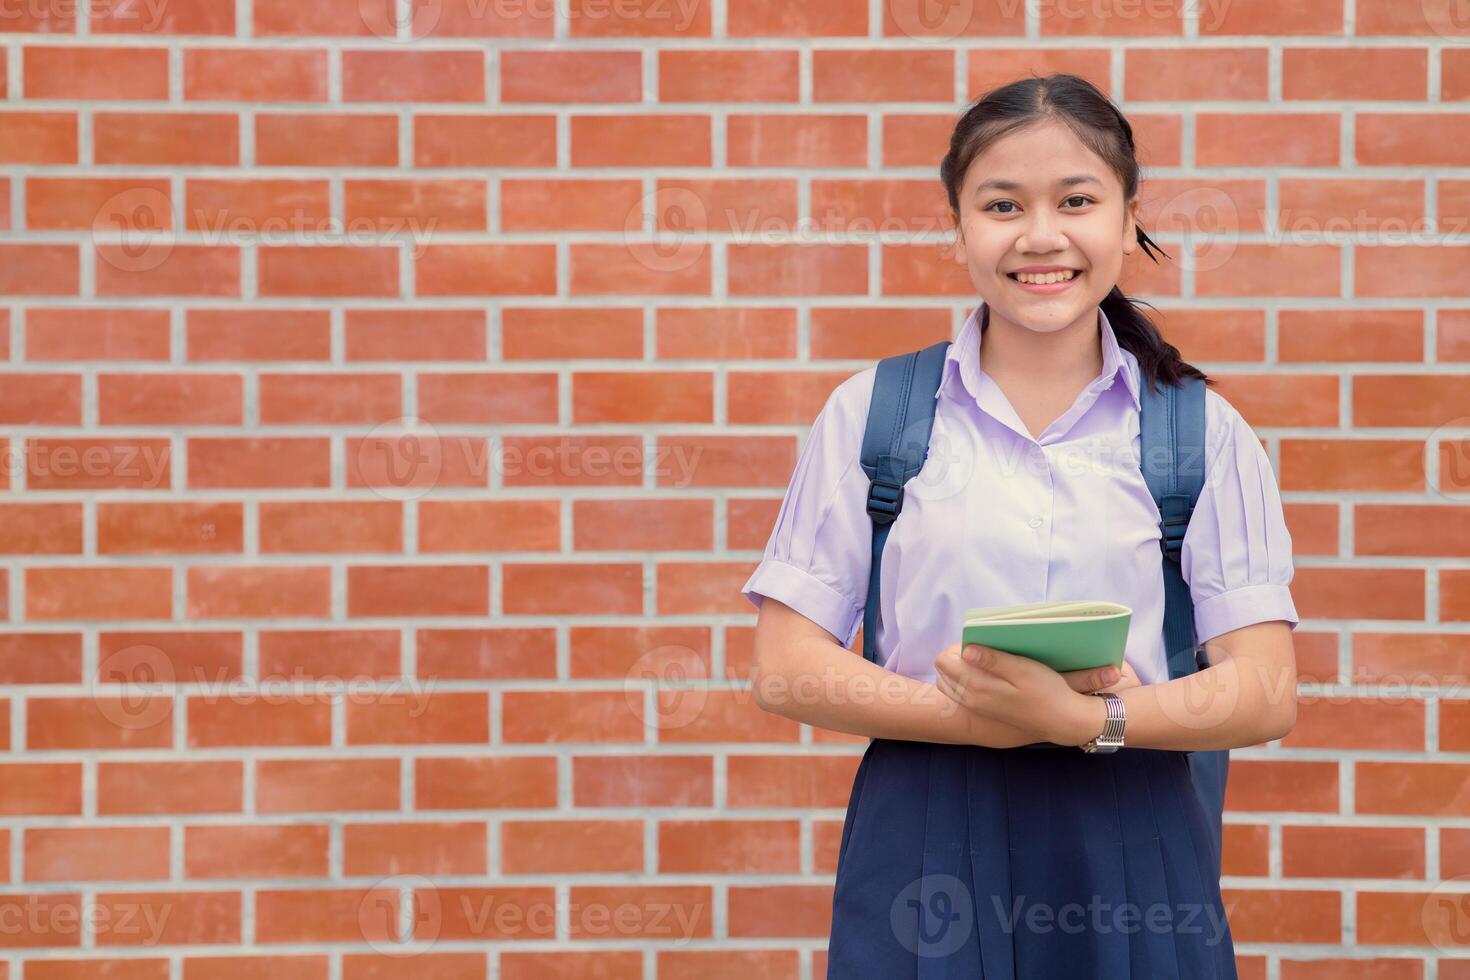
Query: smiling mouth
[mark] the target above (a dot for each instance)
(1054, 286)
(1075, 274)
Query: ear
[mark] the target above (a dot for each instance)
(1130, 226)
(959, 240)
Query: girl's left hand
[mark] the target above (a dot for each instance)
(1017, 690)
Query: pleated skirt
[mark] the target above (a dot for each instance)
(1037, 863)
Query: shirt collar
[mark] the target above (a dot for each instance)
(963, 357)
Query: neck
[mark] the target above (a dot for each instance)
(1072, 354)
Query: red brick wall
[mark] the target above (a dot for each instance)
(369, 464)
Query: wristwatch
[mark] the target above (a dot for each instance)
(1111, 738)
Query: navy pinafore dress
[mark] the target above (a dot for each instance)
(1034, 863)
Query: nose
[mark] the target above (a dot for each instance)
(1042, 233)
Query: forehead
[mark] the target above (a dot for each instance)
(1042, 157)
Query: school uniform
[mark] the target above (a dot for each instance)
(1012, 864)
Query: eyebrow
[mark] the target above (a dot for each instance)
(1011, 185)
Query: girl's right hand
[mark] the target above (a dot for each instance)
(1093, 680)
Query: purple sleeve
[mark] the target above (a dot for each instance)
(1237, 551)
(819, 552)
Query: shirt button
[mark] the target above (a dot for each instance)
(1035, 522)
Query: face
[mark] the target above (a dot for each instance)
(1034, 216)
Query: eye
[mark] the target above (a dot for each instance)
(1075, 197)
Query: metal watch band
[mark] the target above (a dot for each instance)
(1111, 738)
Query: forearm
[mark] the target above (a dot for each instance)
(821, 683)
(1231, 704)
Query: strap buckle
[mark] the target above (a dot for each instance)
(885, 500)
(1173, 522)
(1171, 541)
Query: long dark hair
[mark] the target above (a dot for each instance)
(1089, 113)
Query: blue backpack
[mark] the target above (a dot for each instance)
(1172, 452)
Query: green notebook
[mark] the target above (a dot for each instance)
(1076, 634)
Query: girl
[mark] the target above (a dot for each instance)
(962, 856)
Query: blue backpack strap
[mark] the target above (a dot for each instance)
(1172, 457)
(895, 445)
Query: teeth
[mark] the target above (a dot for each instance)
(1049, 277)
